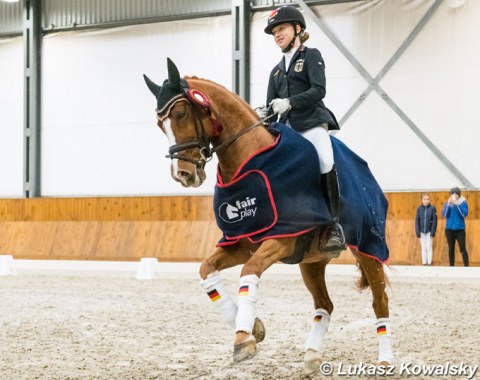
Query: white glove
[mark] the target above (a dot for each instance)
(261, 111)
(280, 105)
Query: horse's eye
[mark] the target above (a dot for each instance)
(180, 115)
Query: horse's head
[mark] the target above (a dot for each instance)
(184, 115)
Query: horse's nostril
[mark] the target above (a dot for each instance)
(183, 174)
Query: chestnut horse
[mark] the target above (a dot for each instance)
(200, 118)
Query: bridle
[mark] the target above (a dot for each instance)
(202, 140)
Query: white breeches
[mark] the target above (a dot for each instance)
(320, 139)
(426, 243)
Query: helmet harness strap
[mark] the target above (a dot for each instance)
(292, 42)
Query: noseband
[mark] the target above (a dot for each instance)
(202, 140)
(198, 101)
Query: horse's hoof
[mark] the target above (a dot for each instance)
(245, 350)
(383, 363)
(258, 330)
(312, 362)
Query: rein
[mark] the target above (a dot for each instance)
(239, 134)
(203, 141)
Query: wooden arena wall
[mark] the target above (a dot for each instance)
(181, 228)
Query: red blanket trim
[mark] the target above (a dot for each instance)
(280, 236)
(367, 254)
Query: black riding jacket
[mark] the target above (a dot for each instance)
(303, 83)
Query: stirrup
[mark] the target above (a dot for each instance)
(333, 251)
(336, 242)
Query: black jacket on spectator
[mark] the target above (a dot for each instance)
(426, 220)
(303, 83)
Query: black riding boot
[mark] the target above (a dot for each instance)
(336, 240)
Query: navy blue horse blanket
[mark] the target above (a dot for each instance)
(277, 193)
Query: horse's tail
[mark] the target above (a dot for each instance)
(362, 282)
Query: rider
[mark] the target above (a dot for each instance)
(296, 89)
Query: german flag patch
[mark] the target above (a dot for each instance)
(243, 291)
(214, 296)
(381, 330)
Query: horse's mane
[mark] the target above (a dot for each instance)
(223, 89)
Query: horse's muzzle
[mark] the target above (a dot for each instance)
(189, 175)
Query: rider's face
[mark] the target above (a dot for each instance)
(283, 34)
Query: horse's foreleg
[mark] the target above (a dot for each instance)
(313, 275)
(267, 254)
(223, 258)
(212, 284)
(374, 274)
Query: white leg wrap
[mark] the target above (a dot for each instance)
(321, 321)
(384, 335)
(220, 297)
(247, 299)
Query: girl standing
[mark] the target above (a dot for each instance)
(455, 210)
(425, 227)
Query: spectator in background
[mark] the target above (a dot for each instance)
(425, 227)
(455, 210)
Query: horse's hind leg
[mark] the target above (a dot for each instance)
(373, 275)
(314, 278)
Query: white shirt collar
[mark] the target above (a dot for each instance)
(288, 56)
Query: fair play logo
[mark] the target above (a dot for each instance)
(238, 211)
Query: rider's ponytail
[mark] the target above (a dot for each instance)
(304, 36)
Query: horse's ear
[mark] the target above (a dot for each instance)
(154, 88)
(173, 75)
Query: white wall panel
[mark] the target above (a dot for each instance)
(11, 117)
(99, 125)
(394, 154)
(436, 83)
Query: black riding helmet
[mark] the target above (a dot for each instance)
(285, 14)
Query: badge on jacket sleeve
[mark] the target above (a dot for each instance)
(299, 65)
